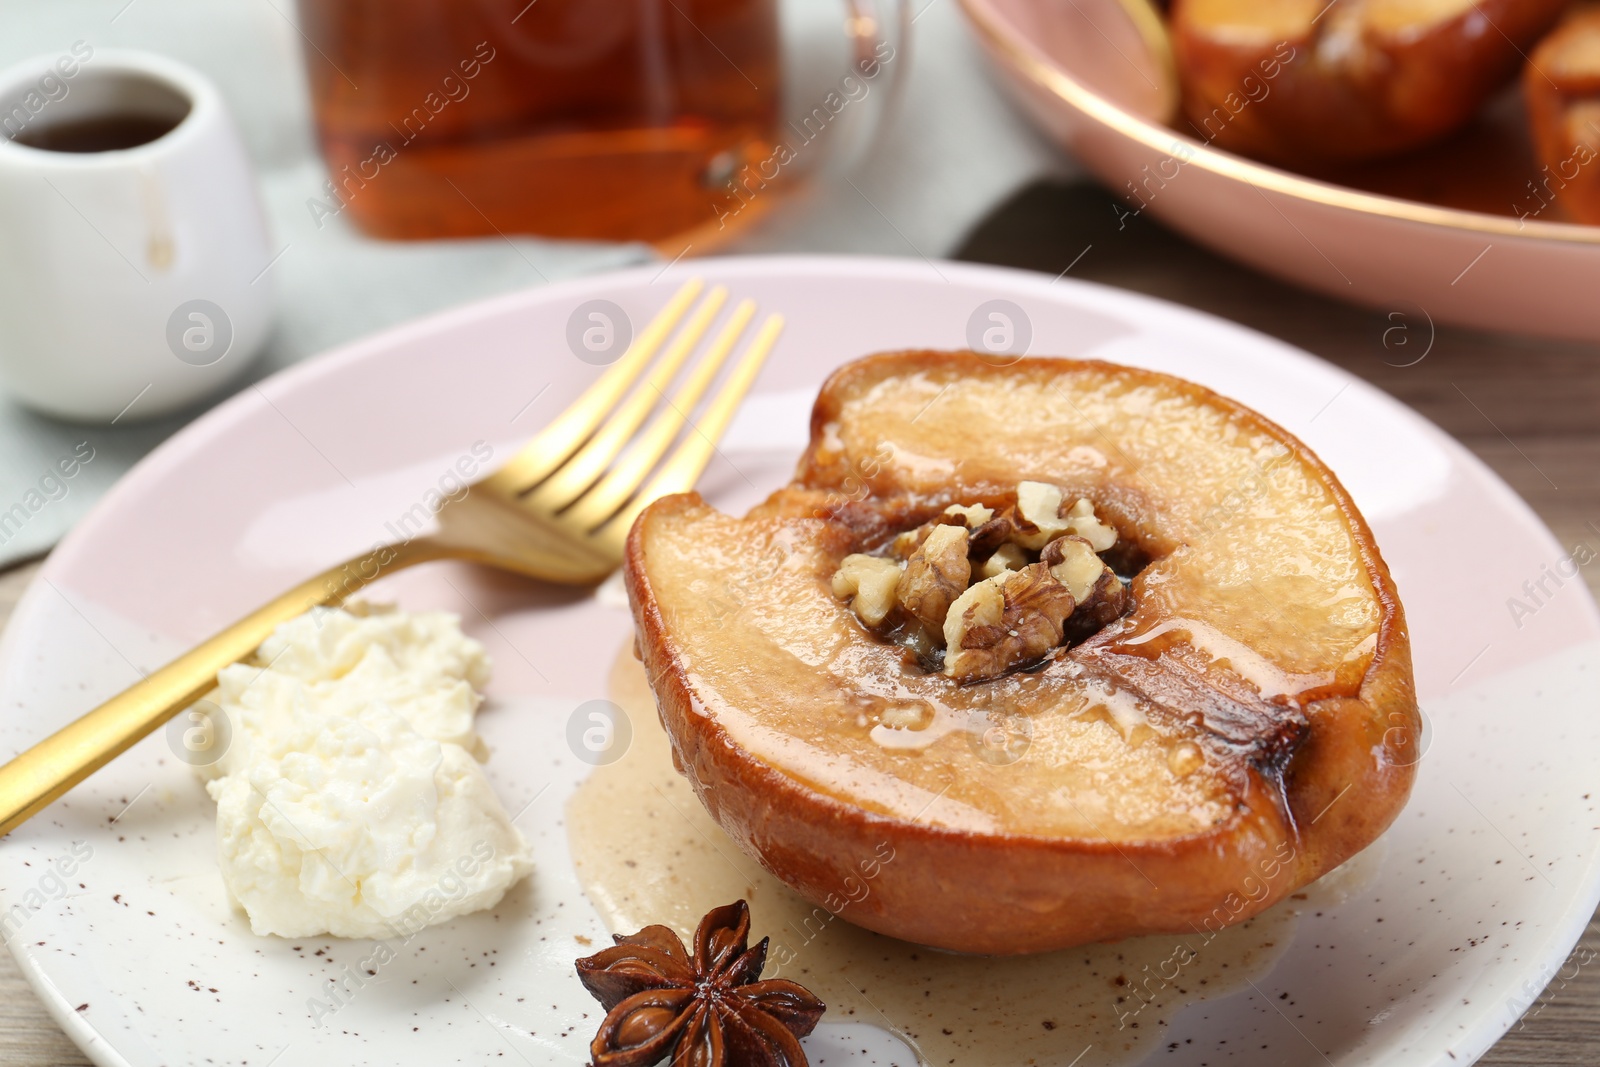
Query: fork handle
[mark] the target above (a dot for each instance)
(39, 776)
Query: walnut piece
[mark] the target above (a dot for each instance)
(1108, 603)
(994, 533)
(982, 605)
(1081, 520)
(1100, 595)
(1040, 520)
(1038, 514)
(1005, 558)
(935, 575)
(974, 515)
(908, 542)
(969, 516)
(1040, 581)
(1016, 618)
(870, 583)
(1073, 561)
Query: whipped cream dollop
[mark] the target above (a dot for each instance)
(350, 799)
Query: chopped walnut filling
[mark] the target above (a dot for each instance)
(1015, 618)
(935, 575)
(1100, 595)
(1038, 515)
(1073, 562)
(1005, 558)
(994, 534)
(869, 582)
(990, 591)
(1041, 520)
(975, 515)
(1081, 520)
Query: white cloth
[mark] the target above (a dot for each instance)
(953, 149)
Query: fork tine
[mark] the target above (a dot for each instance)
(683, 468)
(599, 503)
(551, 446)
(580, 472)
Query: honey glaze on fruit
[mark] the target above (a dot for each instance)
(647, 852)
(1241, 694)
(1056, 743)
(1247, 605)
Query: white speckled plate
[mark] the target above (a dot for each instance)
(1469, 904)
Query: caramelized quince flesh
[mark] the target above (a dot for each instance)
(1570, 56)
(1267, 22)
(1256, 599)
(1324, 83)
(1561, 85)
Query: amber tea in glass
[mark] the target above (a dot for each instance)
(602, 119)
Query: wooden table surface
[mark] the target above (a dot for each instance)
(1529, 408)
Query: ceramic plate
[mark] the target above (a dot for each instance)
(1469, 902)
(1454, 233)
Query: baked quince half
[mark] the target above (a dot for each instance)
(1059, 651)
(1322, 82)
(1561, 85)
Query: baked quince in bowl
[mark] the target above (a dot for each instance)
(1320, 82)
(1070, 651)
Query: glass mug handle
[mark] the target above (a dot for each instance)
(880, 34)
(832, 111)
(834, 106)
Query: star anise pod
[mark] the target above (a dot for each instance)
(709, 1009)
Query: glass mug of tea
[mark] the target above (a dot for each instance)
(676, 122)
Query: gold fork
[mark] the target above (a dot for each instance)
(559, 510)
